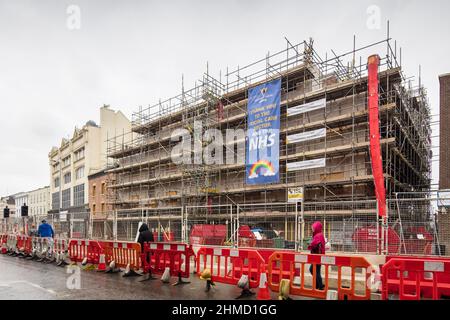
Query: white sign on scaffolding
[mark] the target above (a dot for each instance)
(308, 164)
(63, 216)
(310, 106)
(306, 136)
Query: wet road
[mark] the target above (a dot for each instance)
(24, 279)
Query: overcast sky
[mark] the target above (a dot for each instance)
(132, 53)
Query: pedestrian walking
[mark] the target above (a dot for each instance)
(317, 246)
(145, 235)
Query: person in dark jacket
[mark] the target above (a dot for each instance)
(145, 235)
(317, 246)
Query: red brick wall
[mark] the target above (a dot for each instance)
(444, 158)
(98, 198)
(444, 132)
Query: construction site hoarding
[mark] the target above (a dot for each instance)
(263, 144)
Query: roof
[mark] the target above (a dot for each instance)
(98, 174)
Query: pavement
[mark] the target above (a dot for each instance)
(22, 279)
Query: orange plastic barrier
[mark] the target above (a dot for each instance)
(80, 249)
(293, 266)
(413, 278)
(123, 253)
(228, 265)
(174, 255)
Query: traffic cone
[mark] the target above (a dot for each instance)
(284, 289)
(101, 263)
(166, 275)
(263, 292)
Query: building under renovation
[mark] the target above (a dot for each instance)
(324, 140)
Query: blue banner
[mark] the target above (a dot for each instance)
(263, 133)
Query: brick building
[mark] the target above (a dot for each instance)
(444, 132)
(444, 158)
(98, 194)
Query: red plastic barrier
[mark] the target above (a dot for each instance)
(123, 253)
(413, 278)
(174, 255)
(60, 245)
(21, 240)
(80, 249)
(3, 246)
(228, 265)
(28, 245)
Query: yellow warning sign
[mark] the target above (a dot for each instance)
(295, 194)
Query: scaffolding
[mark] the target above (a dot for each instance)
(147, 177)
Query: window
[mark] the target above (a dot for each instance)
(103, 188)
(93, 208)
(78, 195)
(55, 200)
(103, 207)
(79, 154)
(66, 198)
(66, 161)
(79, 173)
(56, 182)
(55, 166)
(67, 177)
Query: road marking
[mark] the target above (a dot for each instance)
(9, 283)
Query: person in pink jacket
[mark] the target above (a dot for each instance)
(317, 246)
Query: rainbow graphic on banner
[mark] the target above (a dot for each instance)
(257, 166)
